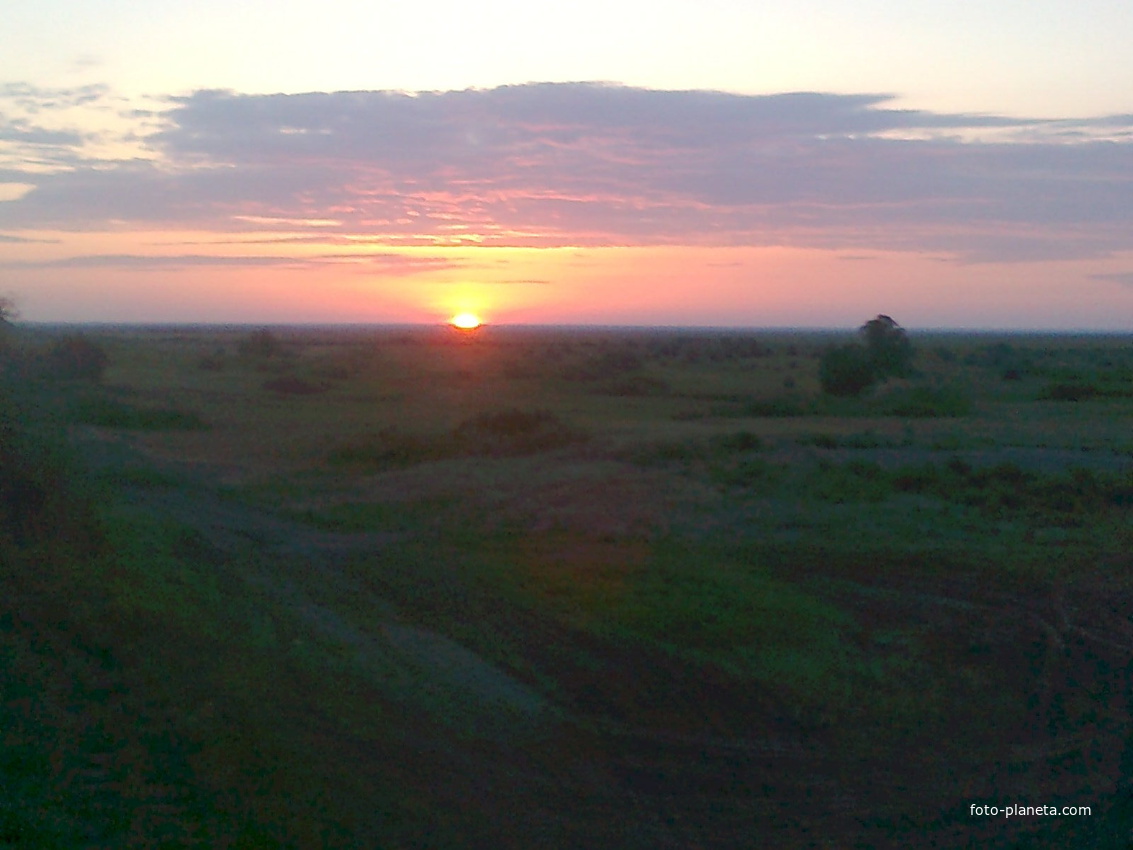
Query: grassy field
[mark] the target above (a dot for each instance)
(416, 587)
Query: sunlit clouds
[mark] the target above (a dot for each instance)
(583, 164)
(505, 199)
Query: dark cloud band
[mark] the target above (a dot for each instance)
(590, 164)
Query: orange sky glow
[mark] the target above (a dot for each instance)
(651, 285)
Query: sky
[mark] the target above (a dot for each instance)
(718, 162)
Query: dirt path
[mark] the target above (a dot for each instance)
(301, 569)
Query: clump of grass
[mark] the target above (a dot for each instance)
(109, 413)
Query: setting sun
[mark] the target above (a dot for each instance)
(465, 321)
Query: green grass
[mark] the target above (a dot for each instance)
(105, 412)
(717, 606)
(877, 577)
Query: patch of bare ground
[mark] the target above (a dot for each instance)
(593, 497)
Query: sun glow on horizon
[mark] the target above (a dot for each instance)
(466, 321)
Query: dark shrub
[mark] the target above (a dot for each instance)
(77, 358)
(211, 363)
(925, 478)
(944, 355)
(1068, 392)
(846, 370)
(958, 466)
(38, 500)
(261, 343)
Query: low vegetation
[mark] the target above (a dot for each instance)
(639, 589)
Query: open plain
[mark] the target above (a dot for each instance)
(516, 588)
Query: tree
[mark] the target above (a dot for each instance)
(888, 347)
(8, 313)
(850, 369)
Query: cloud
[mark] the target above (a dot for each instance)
(37, 99)
(386, 263)
(23, 132)
(1124, 278)
(7, 238)
(594, 164)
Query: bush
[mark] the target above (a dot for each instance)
(38, 499)
(77, 358)
(260, 344)
(846, 371)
